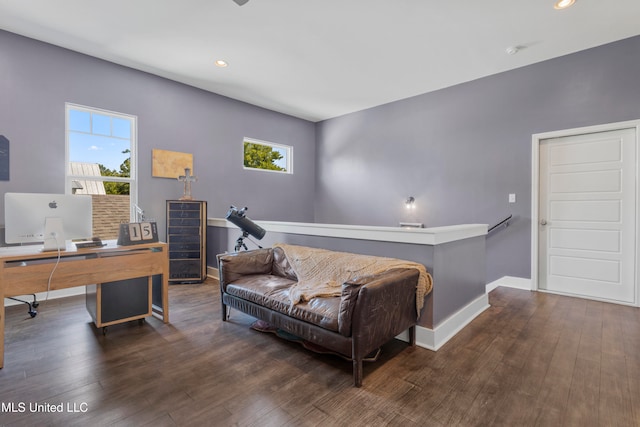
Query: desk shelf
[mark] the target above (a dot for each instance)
(118, 302)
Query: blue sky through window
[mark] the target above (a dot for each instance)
(98, 138)
(283, 161)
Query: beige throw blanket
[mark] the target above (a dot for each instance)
(321, 272)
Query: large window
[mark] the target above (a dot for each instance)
(267, 156)
(101, 162)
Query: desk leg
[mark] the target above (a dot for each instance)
(165, 287)
(163, 310)
(160, 297)
(165, 297)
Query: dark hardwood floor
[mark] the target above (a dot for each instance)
(532, 359)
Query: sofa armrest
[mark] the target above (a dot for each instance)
(385, 307)
(232, 266)
(381, 292)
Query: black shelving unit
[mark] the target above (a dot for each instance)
(187, 240)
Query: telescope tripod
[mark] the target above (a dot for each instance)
(240, 242)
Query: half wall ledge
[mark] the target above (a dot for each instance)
(454, 255)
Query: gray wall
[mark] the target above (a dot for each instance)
(36, 79)
(460, 151)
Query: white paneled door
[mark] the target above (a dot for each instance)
(586, 230)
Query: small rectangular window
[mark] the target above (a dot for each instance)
(267, 156)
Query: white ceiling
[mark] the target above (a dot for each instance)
(317, 59)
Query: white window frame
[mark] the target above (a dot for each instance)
(289, 155)
(132, 179)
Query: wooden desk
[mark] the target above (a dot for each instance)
(26, 270)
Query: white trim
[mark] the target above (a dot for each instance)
(433, 339)
(587, 297)
(535, 197)
(421, 236)
(213, 272)
(41, 297)
(511, 282)
(535, 190)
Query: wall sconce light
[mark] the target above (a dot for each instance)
(410, 203)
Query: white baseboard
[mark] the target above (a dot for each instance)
(212, 272)
(510, 282)
(79, 290)
(42, 296)
(433, 339)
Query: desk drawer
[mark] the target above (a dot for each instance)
(74, 271)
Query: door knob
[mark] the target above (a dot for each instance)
(543, 222)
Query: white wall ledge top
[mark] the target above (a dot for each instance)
(419, 236)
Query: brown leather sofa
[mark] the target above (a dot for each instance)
(370, 312)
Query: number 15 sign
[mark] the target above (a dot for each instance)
(134, 233)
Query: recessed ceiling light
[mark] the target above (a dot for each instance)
(221, 63)
(563, 4)
(512, 50)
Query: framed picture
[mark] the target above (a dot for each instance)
(170, 164)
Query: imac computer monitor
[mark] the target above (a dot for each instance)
(47, 218)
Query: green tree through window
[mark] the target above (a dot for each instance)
(260, 156)
(267, 156)
(125, 171)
